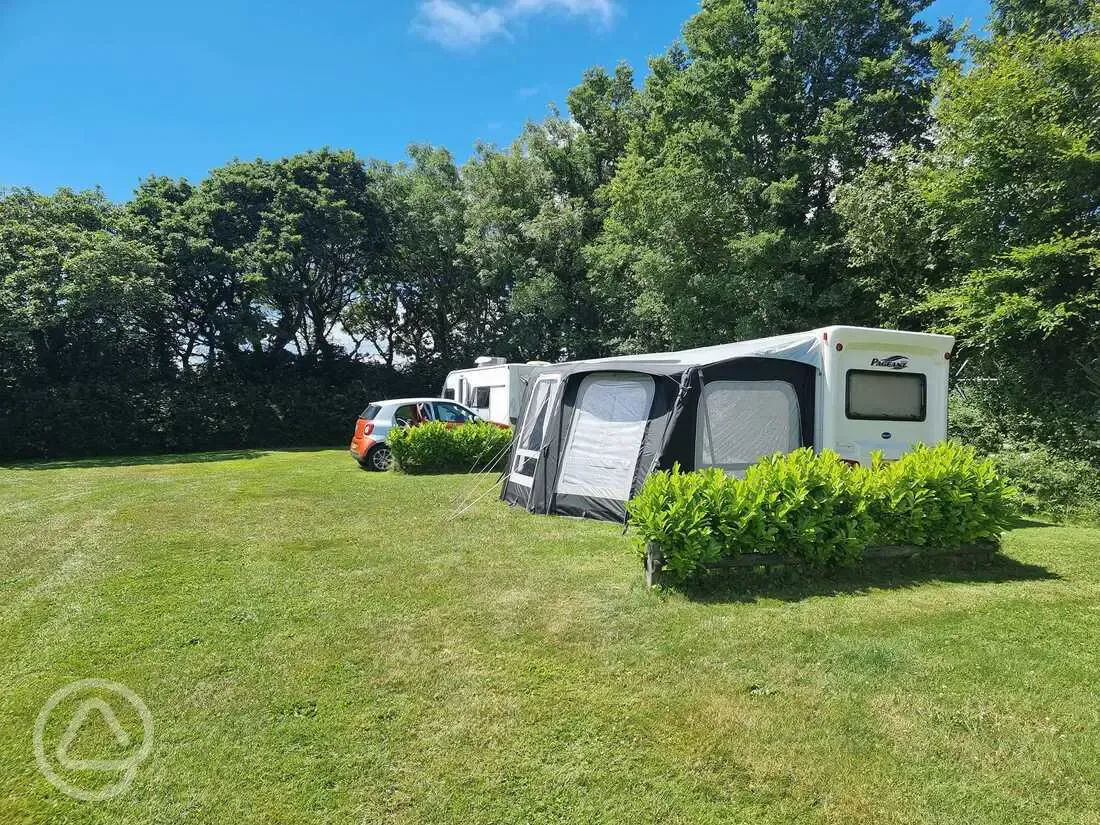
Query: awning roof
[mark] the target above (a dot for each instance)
(798, 346)
(804, 347)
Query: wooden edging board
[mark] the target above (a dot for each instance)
(654, 559)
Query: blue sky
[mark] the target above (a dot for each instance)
(108, 92)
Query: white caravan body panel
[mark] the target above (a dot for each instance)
(494, 392)
(882, 390)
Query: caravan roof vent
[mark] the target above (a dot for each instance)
(489, 361)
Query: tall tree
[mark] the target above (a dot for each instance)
(534, 210)
(1007, 205)
(504, 191)
(721, 221)
(158, 219)
(423, 302)
(321, 237)
(1063, 18)
(204, 236)
(1016, 177)
(78, 296)
(265, 259)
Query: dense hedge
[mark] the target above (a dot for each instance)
(816, 509)
(226, 410)
(1053, 460)
(1051, 485)
(435, 447)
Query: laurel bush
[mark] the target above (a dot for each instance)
(439, 447)
(815, 509)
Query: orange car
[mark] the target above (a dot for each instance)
(368, 445)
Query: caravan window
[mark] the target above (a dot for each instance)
(481, 397)
(609, 422)
(449, 393)
(886, 396)
(738, 422)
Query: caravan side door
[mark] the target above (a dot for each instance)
(532, 433)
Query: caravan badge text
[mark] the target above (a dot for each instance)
(894, 362)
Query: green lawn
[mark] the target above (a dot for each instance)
(317, 644)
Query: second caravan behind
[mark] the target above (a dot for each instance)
(492, 388)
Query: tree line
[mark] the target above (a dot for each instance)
(783, 166)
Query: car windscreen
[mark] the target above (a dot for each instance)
(886, 396)
(370, 412)
(452, 413)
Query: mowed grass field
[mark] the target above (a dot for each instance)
(317, 644)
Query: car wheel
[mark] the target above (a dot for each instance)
(379, 458)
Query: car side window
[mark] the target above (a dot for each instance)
(451, 413)
(405, 415)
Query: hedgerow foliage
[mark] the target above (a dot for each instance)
(217, 410)
(813, 508)
(938, 497)
(435, 447)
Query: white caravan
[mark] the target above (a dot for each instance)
(492, 388)
(593, 430)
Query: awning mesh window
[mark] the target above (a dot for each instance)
(532, 430)
(530, 436)
(605, 437)
(741, 421)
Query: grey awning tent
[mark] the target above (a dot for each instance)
(590, 432)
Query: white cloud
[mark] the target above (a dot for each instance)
(454, 24)
(602, 11)
(462, 25)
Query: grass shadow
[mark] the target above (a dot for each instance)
(1033, 521)
(792, 584)
(465, 471)
(134, 460)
